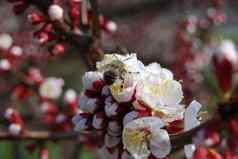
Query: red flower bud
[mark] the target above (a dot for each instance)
(43, 153)
(58, 49)
(35, 18)
(200, 153)
(224, 73)
(20, 92)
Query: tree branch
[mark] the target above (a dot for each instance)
(40, 136)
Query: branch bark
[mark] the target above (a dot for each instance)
(40, 136)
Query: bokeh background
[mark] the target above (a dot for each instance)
(146, 27)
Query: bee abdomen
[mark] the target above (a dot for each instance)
(110, 77)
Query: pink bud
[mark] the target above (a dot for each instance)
(98, 120)
(35, 18)
(21, 92)
(43, 153)
(58, 49)
(16, 51)
(15, 129)
(42, 37)
(34, 76)
(56, 12)
(200, 153)
(212, 138)
(5, 65)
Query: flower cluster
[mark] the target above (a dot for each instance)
(192, 46)
(9, 53)
(133, 107)
(29, 95)
(53, 24)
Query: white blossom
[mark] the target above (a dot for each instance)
(16, 51)
(144, 136)
(70, 95)
(111, 26)
(163, 96)
(5, 64)
(14, 129)
(56, 12)
(51, 87)
(5, 41)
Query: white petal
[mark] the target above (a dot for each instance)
(106, 91)
(170, 93)
(98, 121)
(189, 150)
(172, 113)
(190, 115)
(111, 141)
(76, 118)
(87, 104)
(129, 117)
(89, 78)
(70, 95)
(81, 125)
(111, 109)
(160, 145)
(124, 94)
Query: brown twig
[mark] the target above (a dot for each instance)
(40, 136)
(96, 52)
(81, 42)
(177, 140)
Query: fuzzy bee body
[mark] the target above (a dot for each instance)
(110, 77)
(116, 70)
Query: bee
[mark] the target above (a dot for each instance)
(116, 70)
